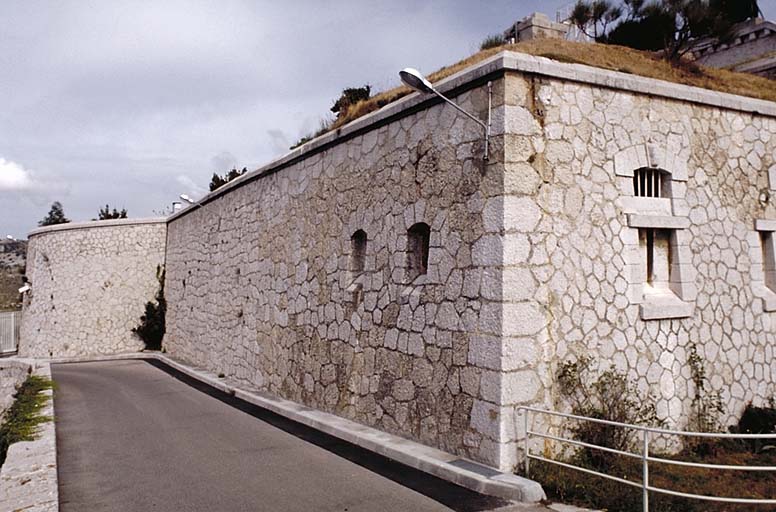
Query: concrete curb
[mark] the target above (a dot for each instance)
(28, 478)
(466, 473)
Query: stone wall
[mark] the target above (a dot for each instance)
(90, 283)
(536, 258)
(262, 284)
(580, 251)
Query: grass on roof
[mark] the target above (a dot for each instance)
(616, 58)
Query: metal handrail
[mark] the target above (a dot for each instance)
(644, 456)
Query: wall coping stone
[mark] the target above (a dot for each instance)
(96, 224)
(479, 73)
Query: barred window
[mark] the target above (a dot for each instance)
(648, 183)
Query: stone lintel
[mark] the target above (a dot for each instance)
(646, 205)
(657, 221)
(765, 225)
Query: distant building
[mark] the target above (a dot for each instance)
(535, 26)
(752, 49)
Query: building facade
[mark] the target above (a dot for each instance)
(386, 273)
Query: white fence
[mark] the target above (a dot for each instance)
(10, 322)
(644, 456)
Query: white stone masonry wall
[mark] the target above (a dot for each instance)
(573, 153)
(90, 283)
(260, 287)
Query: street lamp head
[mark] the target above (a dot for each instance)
(187, 199)
(412, 78)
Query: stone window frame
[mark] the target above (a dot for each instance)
(418, 247)
(355, 276)
(759, 254)
(401, 273)
(669, 213)
(359, 243)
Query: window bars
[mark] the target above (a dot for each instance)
(647, 182)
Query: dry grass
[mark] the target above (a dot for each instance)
(616, 58)
(568, 486)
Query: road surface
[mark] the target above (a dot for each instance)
(135, 437)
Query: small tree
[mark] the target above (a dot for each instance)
(592, 19)
(107, 214)
(218, 181)
(668, 25)
(56, 215)
(152, 323)
(349, 97)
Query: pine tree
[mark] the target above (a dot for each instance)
(106, 214)
(56, 215)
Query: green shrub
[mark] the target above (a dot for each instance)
(706, 407)
(152, 323)
(758, 420)
(610, 396)
(217, 181)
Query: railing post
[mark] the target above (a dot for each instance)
(645, 476)
(525, 442)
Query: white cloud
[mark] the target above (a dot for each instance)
(13, 176)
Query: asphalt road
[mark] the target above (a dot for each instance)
(135, 437)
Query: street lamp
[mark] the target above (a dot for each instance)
(412, 78)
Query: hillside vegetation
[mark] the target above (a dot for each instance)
(12, 264)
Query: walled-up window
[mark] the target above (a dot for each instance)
(656, 243)
(417, 249)
(357, 251)
(769, 259)
(648, 183)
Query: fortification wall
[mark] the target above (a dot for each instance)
(90, 282)
(263, 284)
(584, 260)
(307, 278)
(545, 255)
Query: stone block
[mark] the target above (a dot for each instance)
(765, 225)
(657, 221)
(523, 319)
(663, 308)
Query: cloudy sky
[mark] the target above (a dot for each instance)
(132, 103)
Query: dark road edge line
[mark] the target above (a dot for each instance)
(449, 494)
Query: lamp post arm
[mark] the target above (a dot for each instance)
(459, 109)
